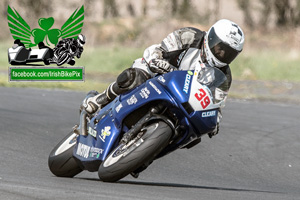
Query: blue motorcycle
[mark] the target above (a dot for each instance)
(168, 112)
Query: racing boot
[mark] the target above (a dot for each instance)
(94, 100)
(108, 95)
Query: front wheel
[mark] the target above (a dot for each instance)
(127, 158)
(61, 162)
(62, 58)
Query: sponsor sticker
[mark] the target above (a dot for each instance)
(155, 87)
(209, 113)
(162, 79)
(118, 108)
(132, 100)
(187, 83)
(105, 133)
(92, 132)
(83, 150)
(145, 93)
(95, 152)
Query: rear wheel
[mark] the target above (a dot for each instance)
(46, 62)
(143, 149)
(61, 162)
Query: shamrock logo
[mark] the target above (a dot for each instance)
(22, 31)
(52, 34)
(105, 132)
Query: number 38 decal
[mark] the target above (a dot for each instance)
(202, 98)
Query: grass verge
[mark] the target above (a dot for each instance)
(103, 64)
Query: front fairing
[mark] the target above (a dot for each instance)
(199, 94)
(208, 92)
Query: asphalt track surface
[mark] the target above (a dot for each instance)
(255, 156)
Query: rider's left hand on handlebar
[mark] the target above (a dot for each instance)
(160, 66)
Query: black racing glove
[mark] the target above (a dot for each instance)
(160, 66)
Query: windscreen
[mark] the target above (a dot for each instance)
(216, 81)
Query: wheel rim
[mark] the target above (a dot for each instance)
(62, 59)
(67, 144)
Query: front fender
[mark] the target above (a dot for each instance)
(157, 117)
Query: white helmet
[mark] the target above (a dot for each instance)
(223, 42)
(81, 39)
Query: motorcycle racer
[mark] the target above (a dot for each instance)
(218, 47)
(71, 46)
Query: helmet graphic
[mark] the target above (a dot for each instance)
(223, 42)
(81, 39)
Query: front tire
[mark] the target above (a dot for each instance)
(127, 158)
(61, 162)
(62, 59)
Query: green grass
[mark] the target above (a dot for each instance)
(110, 60)
(267, 65)
(103, 64)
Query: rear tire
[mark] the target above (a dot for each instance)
(61, 162)
(46, 62)
(125, 159)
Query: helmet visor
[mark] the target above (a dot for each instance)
(222, 51)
